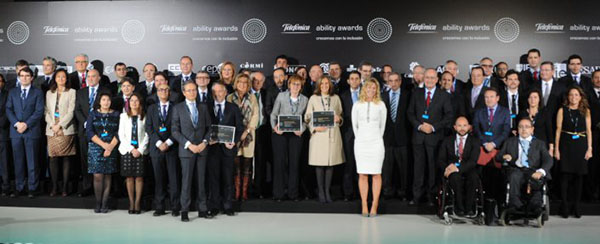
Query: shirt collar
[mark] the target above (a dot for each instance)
(202, 91)
(458, 136)
(549, 81)
(25, 87)
(161, 103)
(222, 104)
(511, 93)
(428, 90)
(353, 90)
(396, 91)
(529, 138)
(495, 107)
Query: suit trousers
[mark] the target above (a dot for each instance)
(424, 167)
(166, 170)
(26, 153)
(220, 179)
(395, 158)
(189, 165)
(286, 158)
(464, 185)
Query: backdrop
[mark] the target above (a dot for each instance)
(252, 33)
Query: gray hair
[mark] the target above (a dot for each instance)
(253, 75)
(51, 59)
(87, 59)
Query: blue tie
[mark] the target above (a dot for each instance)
(194, 111)
(354, 96)
(164, 112)
(486, 82)
(92, 97)
(525, 148)
(394, 106)
(219, 113)
(24, 94)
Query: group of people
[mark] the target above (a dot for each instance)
(406, 132)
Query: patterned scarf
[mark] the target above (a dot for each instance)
(246, 109)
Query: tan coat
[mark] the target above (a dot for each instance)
(248, 151)
(325, 148)
(66, 108)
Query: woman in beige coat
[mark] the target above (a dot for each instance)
(325, 148)
(60, 128)
(249, 107)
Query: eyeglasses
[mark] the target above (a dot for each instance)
(525, 126)
(163, 90)
(487, 65)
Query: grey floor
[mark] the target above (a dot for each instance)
(50, 225)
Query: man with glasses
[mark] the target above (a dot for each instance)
(160, 78)
(78, 77)
(204, 91)
(488, 70)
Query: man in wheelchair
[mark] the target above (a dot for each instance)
(528, 166)
(458, 157)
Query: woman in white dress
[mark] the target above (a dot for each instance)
(368, 122)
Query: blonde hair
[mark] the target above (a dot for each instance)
(363, 91)
(237, 79)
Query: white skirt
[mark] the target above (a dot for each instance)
(369, 151)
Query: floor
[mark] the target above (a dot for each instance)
(55, 225)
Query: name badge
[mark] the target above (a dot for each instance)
(56, 114)
(575, 137)
(134, 142)
(512, 116)
(104, 134)
(162, 129)
(457, 164)
(425, 116)
(489, 133)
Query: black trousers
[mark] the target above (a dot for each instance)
(220, 178)
(464, 185)
(26, 160)
(424, 167)
(493, 183)
(166, 170)
(262, 155)
(286, 157)
(518, 179)
(189, 165)
(396, 160)
(349, 182)
(86, 179)
(591, 182)
(4, 166)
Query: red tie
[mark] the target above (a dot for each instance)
(491, 115)
(535, 75)
(126, 104)
(83, 84)
(428, 101)
(460, 147)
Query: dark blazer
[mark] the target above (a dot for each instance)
(526, 80)
(231, 117)
(396, 134)
(118, 102)
(440, 115)
(209, 96)
(459, 86)
(584, 82)
(174, 97)
(153, 125)
(82, 107)
(40, 83)
(594, 103)
(10, 84)
(309, 88)
(175, 82)
(521, 101)
(479, 103)
(74, 78)
(500, 127)
(556, 97)
(270, 100)
(4, 124)
(347, 131)
(542, 125)
(140, 88)
(29, 111)
(447, 154)
(341, 86)
(183, 130)
(537, 157)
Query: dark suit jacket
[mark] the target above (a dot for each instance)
(140, 88)
(396, 134)
(153, 125)
(82, 107)
(74, 78)
(440, 115)
(270, 100)
(459, 86)
(174, 97)
(10, 84)
(175, 82)
(29, 111)
(209, 96)
(183, 130)
(447, 154)
(537, 156)
(341, 86)
(118, 102)
(556, 97)
(308, 89)
(479, 103)
(500, 127)
(526, 80)
(521, 101)
(40, 83)
(594, 103)
(584, 82)
(231, 117)
(4, 124)
(347, 131)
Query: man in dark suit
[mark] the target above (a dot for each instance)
(163, 152)
(531, 76)
(24, 109)
(4, 140)
(489, 80)
(592, 186)
(279, 79)
(552, 90)
(457, 159)
(473, 94)
(191, 129)
(159, 79)
(147, 87)
(492, 126)
(204, 90)
(335, 72)
(16, 82)
(457, 85)
(84, 101)
(529, 163)
(314, 74)
(186, 65)
(429, 112)
(447, 81)
(281, 61)
(349, 97)
(220, 163)
(43, 82)
(262, 146)
(396, 137)
(78, 77)
(121, 100)
(120, 72)
(574, 77)
(513, 98)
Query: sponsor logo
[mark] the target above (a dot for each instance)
(506, 30)
(581, 27)
(560, 69)
(55, 30)
(379, 30)
(133, 31)
(174, 67)
(292, 68)
(351, 68)
(254, 30)
(325, 67)
(295, 29)
(173, 29)
(422, 28)
(212, 70)
(549, 28)
(17, 32)
(248, 65)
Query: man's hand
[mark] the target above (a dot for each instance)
(507, 157)
(537, 175)
(426, 128)
(229, 145)
(163, 147)
(21, 127)
(488, 146)
(450, 169)
(298, 133)
(135, 153)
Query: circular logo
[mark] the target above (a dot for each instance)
(506, 30)
(17, 32)
(254, 30)
(133, 31)
(379, 30)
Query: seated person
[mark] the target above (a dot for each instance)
(458, 157)
(529, 163)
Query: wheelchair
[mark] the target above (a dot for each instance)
(446, 200)
(510, 216)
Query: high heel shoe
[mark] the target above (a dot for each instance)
(64, 194)
(131, 211)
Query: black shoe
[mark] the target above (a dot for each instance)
(158, 212)
(563, 211)
(297, 199)
(104, 210)
(3, 194)
(131, 211)
(430, 204)
(412, 203)
(97, 209)
(229, 212)
(175, 213)
(576, 213)
(203, 214)
(184, 217)
(470, 214)
(459, 213)
(30, 196)
(13, 195)
(137, 211)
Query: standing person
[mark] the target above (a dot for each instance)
(102, 127)
(4, 131)
(262, 147)
(248, 106)
(163, 152)
(349, 97)
(186, 64)
(60, 128)
(573, 149)
(369, 116)
(325, 149)
(287, 146)
(133, 147)
(24, 109)
(227, 75)
(540, 118)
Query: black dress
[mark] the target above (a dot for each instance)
(573, 149)
(131, 166)
(542, 123)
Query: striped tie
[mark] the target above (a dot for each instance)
(394, 106)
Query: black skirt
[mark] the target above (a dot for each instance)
(132, 167)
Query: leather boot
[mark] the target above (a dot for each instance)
(245, 183)
(237, 187)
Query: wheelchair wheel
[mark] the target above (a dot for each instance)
(480, 219)
(546, 213)
(504, 218)
(447, 219)
(540, 221)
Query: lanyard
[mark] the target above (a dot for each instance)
(574, 121)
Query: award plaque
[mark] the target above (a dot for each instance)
(222, 133)
(323, 119)
(289, 123)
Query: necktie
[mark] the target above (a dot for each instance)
(460, 147)
(474, 95)
(186, 78)
(203, 97)
(92, 97)
(525, 148)
(24, 94)
(598, 94)
(354, 96)
(491, 117)
(194, 111)
(83, 84)
(126, 104)
(47, 79)
(513, 109)
(452, 87)
(394, 106)
(486, 82)
(219, 113)
(164, 112)
(428, 101)
(576, 79)
(535, 75)
(546, 92)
